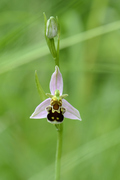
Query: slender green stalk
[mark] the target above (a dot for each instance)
(58, 44)
(58, 151)
(55, 53)
(59, 127)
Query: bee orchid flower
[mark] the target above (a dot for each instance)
(55, 107)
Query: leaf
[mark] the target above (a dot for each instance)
(39, 88)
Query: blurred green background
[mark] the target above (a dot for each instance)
(90, 65)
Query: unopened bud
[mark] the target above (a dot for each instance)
(51, 27)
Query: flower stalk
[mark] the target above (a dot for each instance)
(55, 107)
(58, 151)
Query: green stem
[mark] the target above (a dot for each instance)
(58, 44)
(56, 61)
(58, 151)
(57, 54)
(59, 128)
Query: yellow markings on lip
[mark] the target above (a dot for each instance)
(57, 118)
(52, 117)
(54, 100)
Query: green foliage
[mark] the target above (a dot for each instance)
(90, 65)
(39, 88)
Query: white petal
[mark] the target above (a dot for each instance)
(71, 112)
(40, 111)
(56, 81)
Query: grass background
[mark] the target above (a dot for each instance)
(90, 65)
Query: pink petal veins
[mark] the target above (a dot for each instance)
(56, 81)
(71, 112)
(40, 111)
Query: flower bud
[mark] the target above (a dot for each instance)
(51, 27)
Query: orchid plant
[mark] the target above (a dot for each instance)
(55, 107)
